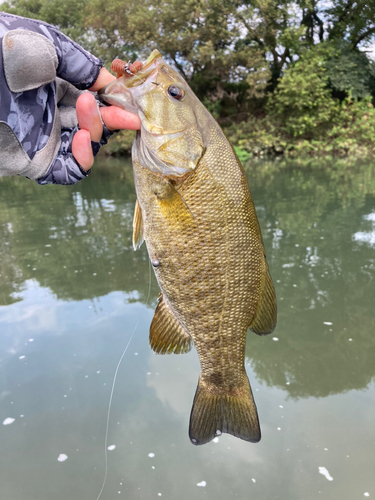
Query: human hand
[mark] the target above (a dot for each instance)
(91, 127)
(49, 130)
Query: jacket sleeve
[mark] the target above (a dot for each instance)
(32, 46)
(45, 73)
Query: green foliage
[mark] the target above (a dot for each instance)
(354, 129)
(256, 137)
(302, 102)
(352, 21)
(352, 132)
(68, 15)
(273, 73)
(200, 38)
(350, 72)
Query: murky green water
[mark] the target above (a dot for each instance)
(72, 292)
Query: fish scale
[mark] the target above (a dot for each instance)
(200, 225)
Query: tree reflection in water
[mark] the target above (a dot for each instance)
(318, 226)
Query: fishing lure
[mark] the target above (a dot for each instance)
(127, 69)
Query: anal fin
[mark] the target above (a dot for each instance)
(137, 227)
(167, 336)
(264, 321)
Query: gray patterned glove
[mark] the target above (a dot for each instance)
(42, 73)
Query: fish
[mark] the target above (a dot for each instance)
(195, 212)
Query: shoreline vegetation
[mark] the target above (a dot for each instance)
(351, 133)
(290, 79)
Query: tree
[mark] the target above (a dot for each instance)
(302, 102)
(236, 54)
(69, 15)
(350, 72)
(200, 38)
(352, 20)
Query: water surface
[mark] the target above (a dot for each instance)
(72, 293)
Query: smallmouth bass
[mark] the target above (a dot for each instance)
(195, 212)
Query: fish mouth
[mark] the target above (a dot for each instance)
(119, 92)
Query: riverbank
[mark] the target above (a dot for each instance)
(349, 133)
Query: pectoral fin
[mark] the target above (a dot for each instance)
(167, 336)
(264, 320)
(137, 227)
(174, 207)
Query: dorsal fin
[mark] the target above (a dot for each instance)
(137, 227)
(264, 321)
(167, 336)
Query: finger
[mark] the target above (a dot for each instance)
(116, 118)
(81, 149)
(103, 79)
(88, 116)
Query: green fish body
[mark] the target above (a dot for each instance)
(197, 217)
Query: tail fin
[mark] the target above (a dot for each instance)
(212, 414)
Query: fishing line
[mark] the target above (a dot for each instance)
(113, 387)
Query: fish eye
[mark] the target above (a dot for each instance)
(176, 92)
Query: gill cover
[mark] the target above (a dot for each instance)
(169, 142)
